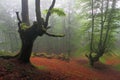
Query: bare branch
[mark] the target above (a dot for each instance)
(18, 18)
(106, 11)
(17, 13)
(49, 13)
(53, 35)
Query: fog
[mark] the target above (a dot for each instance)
(73, 40)
(70, 25)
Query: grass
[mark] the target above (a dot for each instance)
(6, 53)
(42, 67)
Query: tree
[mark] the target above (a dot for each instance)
(7, 28)
(102, 27)
(29, 34)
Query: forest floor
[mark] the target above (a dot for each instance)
(54, 69)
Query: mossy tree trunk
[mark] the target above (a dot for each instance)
(27, 39)
(28, 35)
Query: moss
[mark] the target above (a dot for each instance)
(24, 26)
(6, 53)
(102, 59)
(41, 67)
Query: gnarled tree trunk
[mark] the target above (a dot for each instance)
(29, 35)
(27, 38)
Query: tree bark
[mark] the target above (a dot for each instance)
(26, 50)
(25, 12)
(28, 37)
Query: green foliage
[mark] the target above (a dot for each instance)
(57, 11)
(112, 24)
(40, 67)
(103, 60)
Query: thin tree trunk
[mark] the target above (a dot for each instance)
(101, 31)
(109, 22)
(92, 36)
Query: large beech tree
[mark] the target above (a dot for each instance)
(29, 34)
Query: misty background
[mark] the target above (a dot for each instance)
(75, 41)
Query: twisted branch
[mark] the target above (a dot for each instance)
(49, 13)
(19, 20)
(53, 35)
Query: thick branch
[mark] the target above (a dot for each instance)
(53, 35)
(38, 12)
(49, 13)
(25, 12)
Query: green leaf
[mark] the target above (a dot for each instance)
(57, 11)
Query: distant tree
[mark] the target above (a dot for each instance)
(8, 29)
(29, 34)
(103, 24)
